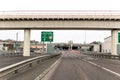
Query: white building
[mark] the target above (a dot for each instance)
(96, 47)
(106, 45)
(1, 46)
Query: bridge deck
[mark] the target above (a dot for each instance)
(60, 15)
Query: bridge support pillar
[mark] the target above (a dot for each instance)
(26, 51)
(114, 41)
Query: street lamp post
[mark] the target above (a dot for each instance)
(50, 37)
(85, 37)
(17, 36)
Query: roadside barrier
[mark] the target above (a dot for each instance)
(14, 68)
(101, 55)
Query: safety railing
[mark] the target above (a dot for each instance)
(11, 54)
(14, 68)
(107, 56)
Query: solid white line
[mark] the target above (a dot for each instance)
(115, 73)
(111, 71)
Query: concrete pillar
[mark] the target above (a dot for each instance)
(71, 46)
(26, 51)
(114, 39)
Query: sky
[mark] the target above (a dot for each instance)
(78, 36)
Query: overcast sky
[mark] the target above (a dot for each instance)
(60, 36)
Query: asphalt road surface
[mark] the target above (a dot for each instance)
(9, 60)
(76, 66)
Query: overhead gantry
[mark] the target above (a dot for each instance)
(61, 21)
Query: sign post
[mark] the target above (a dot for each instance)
(47, 37)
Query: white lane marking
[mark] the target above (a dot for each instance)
(93, 63)
(111, 71)
(115, 73)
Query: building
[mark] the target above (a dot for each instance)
(86, 47)
(106, 45)
(96, 46)
(1, 45)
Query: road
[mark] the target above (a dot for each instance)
(9, 60)
(76, 66)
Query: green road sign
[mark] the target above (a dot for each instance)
(46, 36)
(119, 37)
(17, 44)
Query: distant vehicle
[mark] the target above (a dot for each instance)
(19, 51)
(31, 50)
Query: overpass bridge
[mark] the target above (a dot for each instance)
(61, 21)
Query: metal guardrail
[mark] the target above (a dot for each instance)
(107, 56)
(11, 54)
(14, 68)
